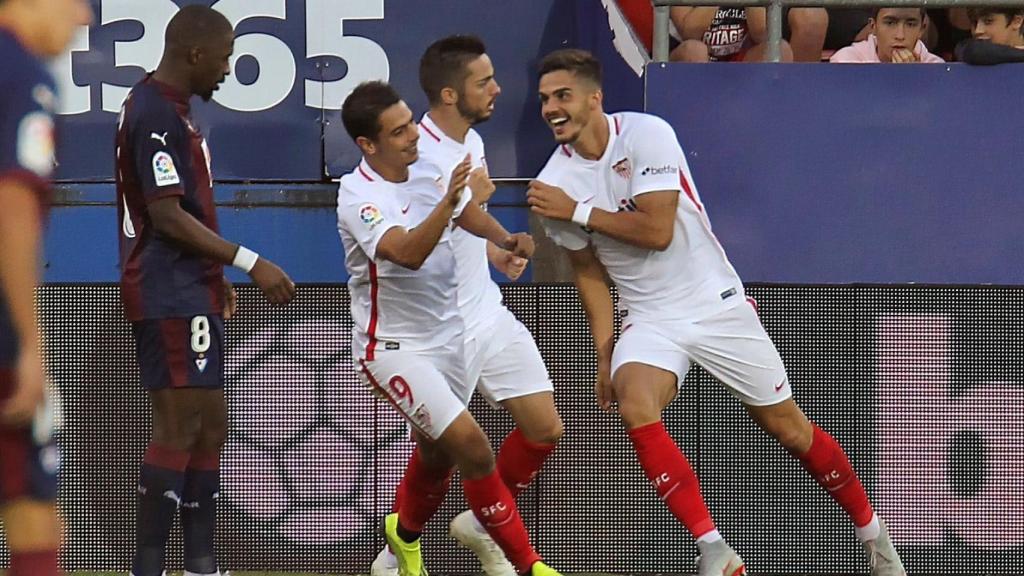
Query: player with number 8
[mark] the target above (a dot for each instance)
(174, 290)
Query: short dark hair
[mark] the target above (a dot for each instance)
(578, 62)
(877, 9)
(443, 65)
(362, 109)
(976, 14)
(195, 25)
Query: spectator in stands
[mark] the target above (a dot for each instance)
(806, 30)
(895, 38)
(714, 34)
(997, 37)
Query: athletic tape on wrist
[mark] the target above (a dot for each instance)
(245, 259)
(581, 215)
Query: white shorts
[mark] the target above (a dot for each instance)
(731, 345)
(502, 361)
(422, 385)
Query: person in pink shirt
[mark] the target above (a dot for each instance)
(895, 38)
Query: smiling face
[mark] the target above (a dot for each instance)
(568, 104)
(998, 28)
(396, 143)
(479, 91)
(897, 28)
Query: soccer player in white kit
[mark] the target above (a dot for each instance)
(407, 341)
(618, 196)
(502, 359)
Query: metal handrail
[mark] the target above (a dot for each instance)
(662, 21)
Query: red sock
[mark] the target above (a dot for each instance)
(34, 564)
(495, 508)
(422, 492)
(519, 460)
(828, 465)
(672, 476)
(398, 493)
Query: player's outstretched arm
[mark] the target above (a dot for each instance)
(591, 282)
(410, 248)
(19, 274)
(479, 223)
(181, 228)
(650, 226)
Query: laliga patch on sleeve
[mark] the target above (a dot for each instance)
(370, 215)
(163, 170)
(35, 143)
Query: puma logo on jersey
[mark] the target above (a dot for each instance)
(162, 138)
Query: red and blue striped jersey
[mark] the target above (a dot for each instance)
(160, 153)
(27, 98)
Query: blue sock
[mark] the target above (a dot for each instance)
(160, 487)
(199, 512)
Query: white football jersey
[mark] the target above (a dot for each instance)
(394, 307)
(479, 296)
(692, 278)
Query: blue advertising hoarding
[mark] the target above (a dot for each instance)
(838, 174)
(276, 116)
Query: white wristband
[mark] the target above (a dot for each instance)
(245, 259)
(581, 215)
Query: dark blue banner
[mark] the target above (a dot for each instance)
(295, 61)
(818, 173)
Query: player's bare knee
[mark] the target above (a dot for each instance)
(790, 438)
(212, 439)
(637, 411)
(551, 434)
(476, 460)
(792, 434)
(548, 431)
(432, 455)
(179, 434)
(39, 525)
(473, 455)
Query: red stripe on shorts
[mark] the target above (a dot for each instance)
(174, 333)
(371, 330)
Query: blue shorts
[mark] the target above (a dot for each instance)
(180, 352)
(29, 460)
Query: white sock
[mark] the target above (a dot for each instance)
(187, 573)
(710, 537)
(869, 531)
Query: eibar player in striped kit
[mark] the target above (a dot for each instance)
(30, 30)
(174, 290)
